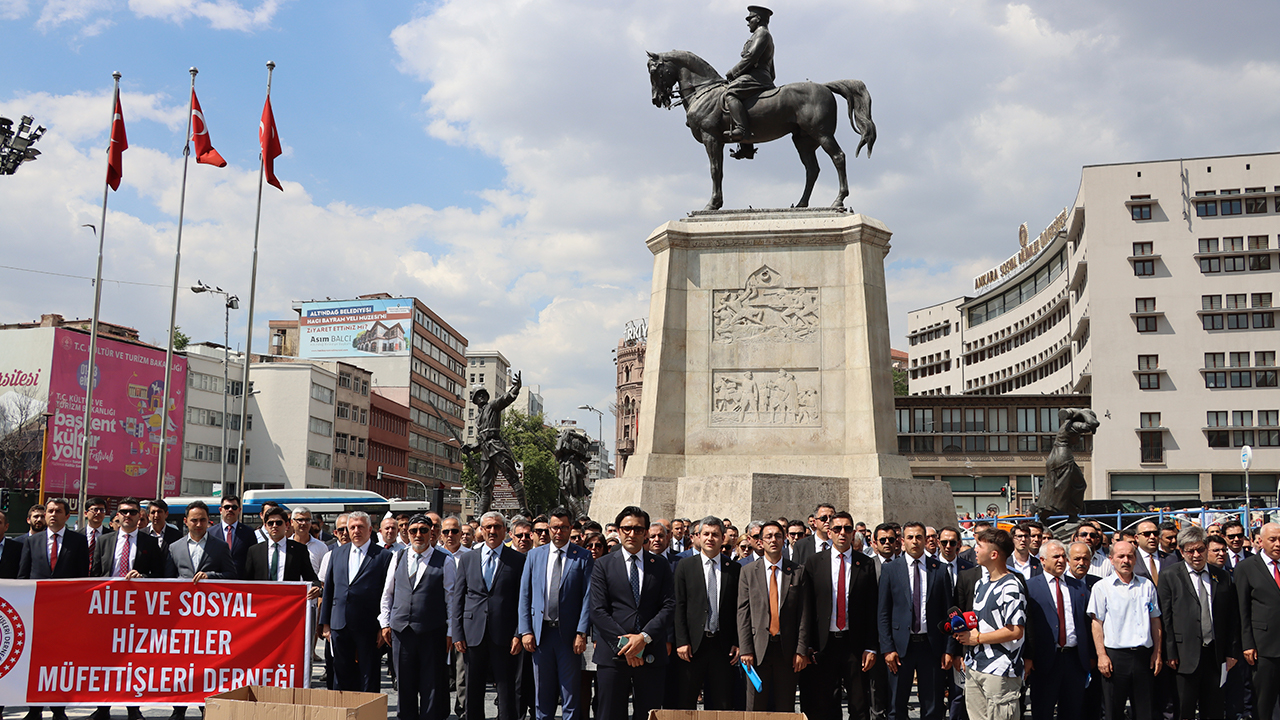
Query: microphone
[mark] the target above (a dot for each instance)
(958, 621)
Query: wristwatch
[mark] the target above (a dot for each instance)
(646, 638)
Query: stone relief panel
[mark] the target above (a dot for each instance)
(768, 398)
(765, 310)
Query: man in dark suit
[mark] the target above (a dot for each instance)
(349, 611)
(845, 637)
(554, 618)
(92, 525)
(632, 601)
(970, 555)
(1201, 628)
(773, 629)
(10, 551)
(486, 600)
(57, 552)
(1058, 608)
(953, 564)
(280, 558)
(1233, 532)
(915, 595)
(237, 536)
(415, 618)
(1259, 599)
(706, 627)
(1023, 560)
(820, 540)
(158, 525)
(659, 544)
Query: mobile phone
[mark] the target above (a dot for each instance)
(622, 643)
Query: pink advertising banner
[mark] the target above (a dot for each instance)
(125, 423)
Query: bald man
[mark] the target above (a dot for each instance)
(1255, 579)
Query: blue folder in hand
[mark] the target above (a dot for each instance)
(753, 677)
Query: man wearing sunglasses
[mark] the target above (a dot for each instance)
(1233, 532)
(280, 559)
(819, 541)
(1151, 560)
(301, 525)
(1099, 564)
(234, 534)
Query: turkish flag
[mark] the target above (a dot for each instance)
(270, 142)
(119, 143)
(200, 136)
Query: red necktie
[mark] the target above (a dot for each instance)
(93, 541)
(1062, 615)
(122, 568)
(841, 592)
(1275, 567)
(231, 536)
(53, 556)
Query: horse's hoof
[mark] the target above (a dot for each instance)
(713, 206)
(839, 203)
(801, 204)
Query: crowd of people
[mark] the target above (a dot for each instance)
(654, 613)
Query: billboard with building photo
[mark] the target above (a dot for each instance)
(355, 328)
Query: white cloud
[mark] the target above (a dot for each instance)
(94, 16)
(14, 9)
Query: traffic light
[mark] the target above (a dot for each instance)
(1004, 492)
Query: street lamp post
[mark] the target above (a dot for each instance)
(600, 440)
(230, 302)
(15, 146)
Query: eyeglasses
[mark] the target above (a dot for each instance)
(595, 546)
(1235, 536)
(1088, 535)
(521, 536)
(449, 531)
(841, 528)
(824, 518)
(421, 530)
(1148, 533)
(755, 536)
(885, 540)
(275, 523)
(948, 543)
(631, 529)
(541, 531)
(130, 512)
(1194, 550)
(340, 530)
(97, 509)
(797, 534)
(230, 507)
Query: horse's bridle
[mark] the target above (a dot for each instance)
(672, 89)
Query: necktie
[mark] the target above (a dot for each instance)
(353, 564)
(553, 592)
(1206, 612)
(93, 541)
(1155, 573)
(53, 555)
(1062, 615)
(415, 562)
(122, 567)
(713, 597)
(824, 546)
(1275, 567)
(275, 560)
(841, 600)
(230, 532)
(915, 597)
(775, 626)
(635, 579)
(489, 567)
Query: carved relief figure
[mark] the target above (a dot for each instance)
(765, 310)
(783, 399)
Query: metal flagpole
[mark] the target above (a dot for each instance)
(173, 303)
(93, 327)
(253, 291)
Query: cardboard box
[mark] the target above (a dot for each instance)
(721, 715)
(257, 702)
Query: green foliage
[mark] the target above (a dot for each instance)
(180, 339)
(900, 386)
(533, 444)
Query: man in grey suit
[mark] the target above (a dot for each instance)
(773, 624)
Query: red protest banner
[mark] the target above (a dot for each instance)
(135, 642)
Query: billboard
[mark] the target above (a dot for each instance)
(127, 397)
(355, 328)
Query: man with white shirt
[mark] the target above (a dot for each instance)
(1260, 614)
(1150, 559)
(279, 558)
(1127, 635)
(1022, 561)
(261, 533)
(451, 532)
(1233, 532)
(931, 541)
(679, 535)
(389, 534)
(316, 549)
(1090, 533)
(92, 525)
(158, 526)
(414, 620)
(237, 536)
(915, 594)
(706, 628)
(349, 611)
(1063, 651)
(819, 541)
(772, 628)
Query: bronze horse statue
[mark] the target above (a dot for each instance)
(805, 110)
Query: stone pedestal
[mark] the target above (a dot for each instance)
(767, 383)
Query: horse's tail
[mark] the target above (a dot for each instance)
(855, 93)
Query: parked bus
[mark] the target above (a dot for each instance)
(324, 503)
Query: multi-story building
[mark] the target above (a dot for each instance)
(486, 369)
(532, 404)
(1160, 306)
(413, 356)
(389, 447)
(213, 419)
(295, 404)
(629, 359)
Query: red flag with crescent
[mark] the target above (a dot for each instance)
(200, 136)
(270, 142)
(119, 143)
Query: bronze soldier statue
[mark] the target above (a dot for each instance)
(494, 454)
(573, 453)
(751, 76)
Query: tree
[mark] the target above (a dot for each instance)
(21, 434)
(533, 444)
(900, 386)
(180, 339)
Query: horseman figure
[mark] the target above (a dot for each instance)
(751, 76)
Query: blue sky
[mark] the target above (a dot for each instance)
(502, 161)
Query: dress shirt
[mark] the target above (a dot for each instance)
(317, 549)
(626, 565)
(1203, 575)
(94, 534)
(1145, 558)
(389, 588)
(358, 553)
(152, 532)
(918, 591)
(768, 573)
(133, 551)
(1072, 640)
(1236, 557)
(835, 586)
(196, 549)
(820, 545)
(950, 565)
(284, 546)
(1271, 565)
(710, 573)
(261, 535)
(1125, 610)
(1101, 566)
(49, 540)
(1020, 567)
(551, 565)
(228, 531)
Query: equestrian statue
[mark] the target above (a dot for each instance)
(747, 108)
(1064, 483)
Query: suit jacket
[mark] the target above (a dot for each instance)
(171, 535)
(753, 609)
(1231, 566)
(1165, 560)
(349, 605)
(806, 547)
(297, 563)
(478, 610)
(215, 561)
(147, 559)
(244, 540)
(966, 586)
(895, 606)
(961, 565)
(73, 557)
(1036, 568)
(1180, 614)
(614, 611)
(10, 559)
(1259, 600)
(691, 600)
(1042, 613)
(863, 594)
(575, 582)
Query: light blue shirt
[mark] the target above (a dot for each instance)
(1125, 610)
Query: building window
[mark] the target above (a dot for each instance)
(1264, 358)
(1239, 359)
(1259, 242)
(318, 460)
(322, 393)
(1148, 324)
(1241, 379)
(1144, 268)
(344, 379)
(1237, 321)
(364, 416)
(1264, 320)
(1233, 244)
(1211, 322)
(1268, 419)
(1259, 262)
(1142, 248)
(344, 411)
(1265, 378)
(1237, 301)
(1141, 212)
(1206, 208)
(1219, 438)
(340, 443)
(1144, 304)
(1234, 263)
(1216, 418)
(1208, 245)
(321, 427)
(1210, 265)
(1262, 300)
(1149, 381)
(1231, 207)
(1210, 302)
(1149, 420)
(1148, 362)
(1215, 360)
(1215, 379)
(1253, 206)
(1152, 447)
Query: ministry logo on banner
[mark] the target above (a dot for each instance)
(17, 604)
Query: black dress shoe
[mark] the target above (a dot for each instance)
(102, 713)
(59, 714)
(33, 714)
(178, 713)
(135, 713)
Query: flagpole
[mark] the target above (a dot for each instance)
(253, 291)
(93, 326)
(173, 303)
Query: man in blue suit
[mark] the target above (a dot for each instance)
(915, 596)
(353, 587)
(1063, 652)
(242, 536)
(486, 599)
(553, 617)
(632, 601)
(1023, 560)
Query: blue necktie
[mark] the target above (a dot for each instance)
(635, 579)
(488, 569)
